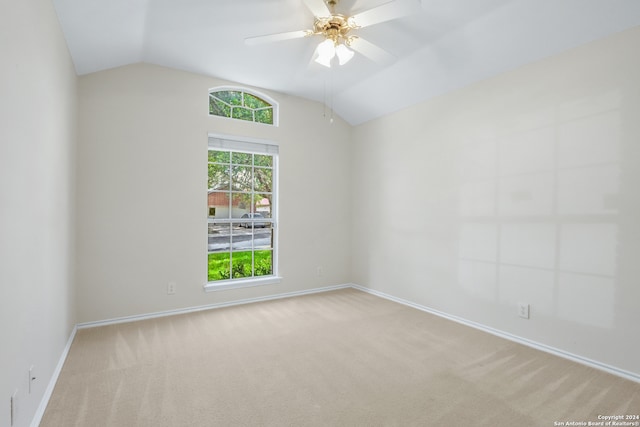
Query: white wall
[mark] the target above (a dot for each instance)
(521, 188)
(37, 143)
(142, 199)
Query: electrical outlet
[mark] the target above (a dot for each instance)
(319, 271)
(171, 288)
(523, 310)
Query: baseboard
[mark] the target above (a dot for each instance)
(37, 418)
(538, 346)
(208, 307)
(529, 343)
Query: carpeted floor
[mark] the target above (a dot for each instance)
(342, 358)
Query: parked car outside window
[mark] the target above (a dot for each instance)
(256, 224)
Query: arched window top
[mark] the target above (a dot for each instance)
(242, 104)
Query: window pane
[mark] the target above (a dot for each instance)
(241, 178)
(242, 113)
(216, 156)
(219, 266)
(264, 116)
(242, 264)
(263, 180)
(242, 236)
(241, 204)
(231, 97)
(263, 203)
(263, 238)
(219, 244)
(219, 239)
(263, 160)
(218, 204)
(219, 177)
(241, 105)
(241, 158)
(218, 108)
(254, 102)
(263, 263)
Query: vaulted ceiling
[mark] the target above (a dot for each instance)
(441, 45)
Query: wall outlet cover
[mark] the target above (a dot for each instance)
(523, 310)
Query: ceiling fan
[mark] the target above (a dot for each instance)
(336, 29)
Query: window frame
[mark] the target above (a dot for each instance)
(254, 146)
(273, 103)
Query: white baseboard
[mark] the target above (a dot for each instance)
(37, 418)
(35, 422)
(208, 307)
(557, 352)
(529, 343)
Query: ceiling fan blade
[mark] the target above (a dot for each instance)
(251, 41)
(392, 10)
(318, 8)
(371, 51)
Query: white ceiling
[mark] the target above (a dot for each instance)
(441, 46)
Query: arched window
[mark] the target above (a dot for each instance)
(242, 105)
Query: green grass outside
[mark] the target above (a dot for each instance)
(219, 265)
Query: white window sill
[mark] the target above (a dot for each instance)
(223, 285)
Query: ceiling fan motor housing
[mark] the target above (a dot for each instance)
(336, 28)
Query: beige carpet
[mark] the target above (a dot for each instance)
(343, 358)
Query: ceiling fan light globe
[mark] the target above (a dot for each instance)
(344, 54)
(327, 49)
(326, 52)
(322, 60)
